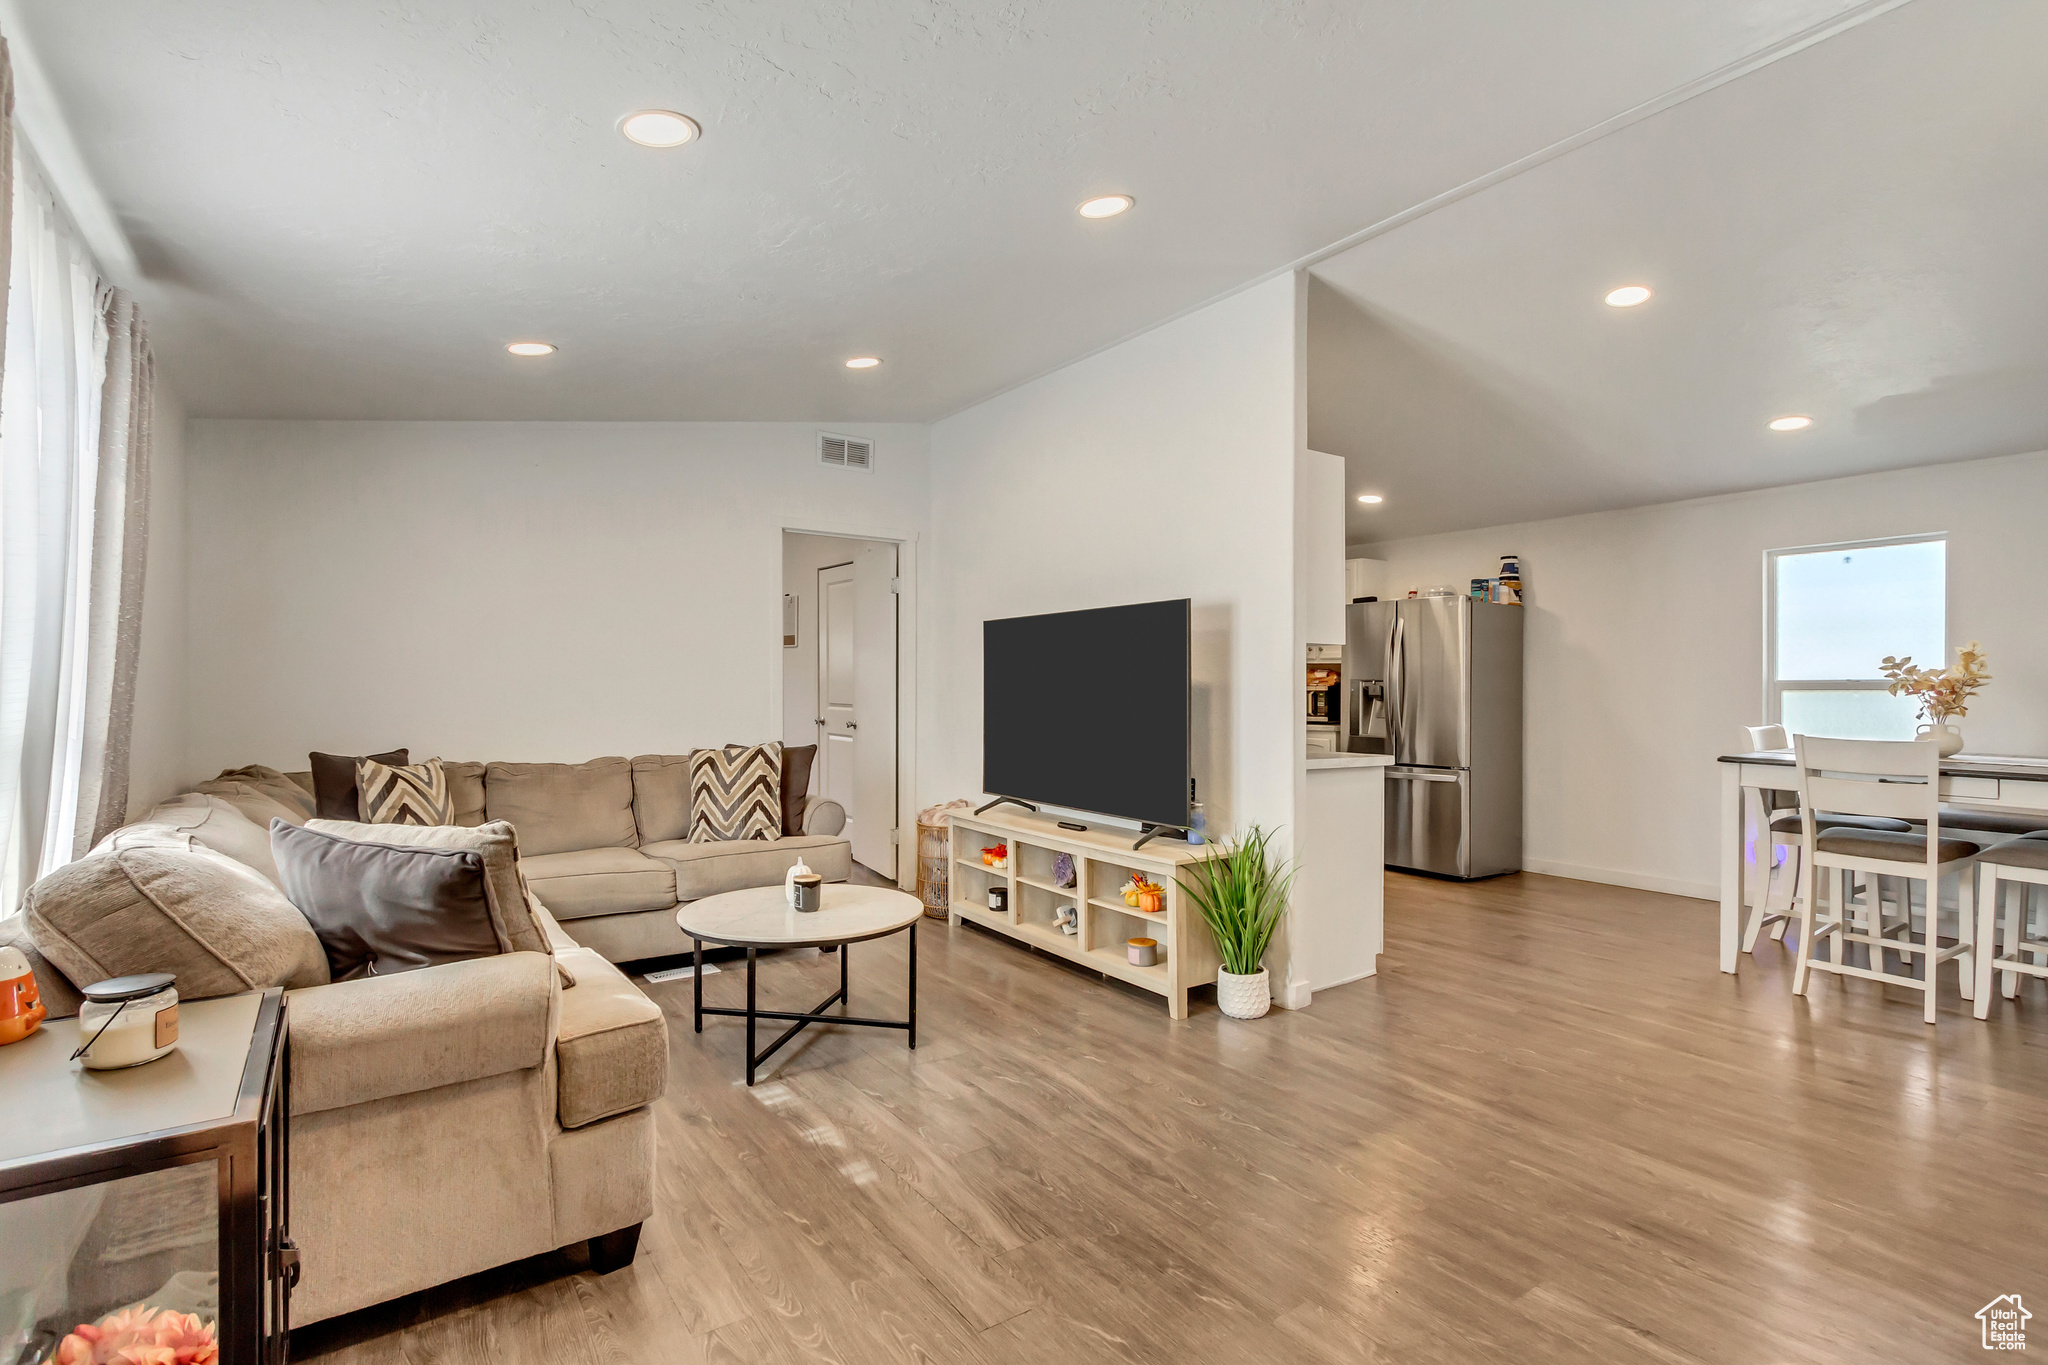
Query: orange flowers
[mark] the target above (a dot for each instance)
(140, 1335)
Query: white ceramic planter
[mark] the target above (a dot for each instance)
(1950, 737)
(1243, 997)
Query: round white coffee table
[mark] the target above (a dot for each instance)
(761, 917)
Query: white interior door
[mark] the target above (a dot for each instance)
(874, 697)
(837, 728)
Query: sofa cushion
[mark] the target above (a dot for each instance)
(334, 782)
(736, 793)
(661, 796)
(661, 793)
(708, 869)
(384, 908)
(796, 785)
(261, 794)
(412, 794)
(611, 1042)
(564, 807)
(356, 1042)
(611, 1046)
(220, 927)
(195, 820)
(496, 843)
(600, 881)
(465, 792)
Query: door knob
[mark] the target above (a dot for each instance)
(851, 726)
(819, 721)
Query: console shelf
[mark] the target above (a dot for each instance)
(1103, 861)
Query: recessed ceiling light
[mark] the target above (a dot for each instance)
(659, 128)
(1628, 296)
(1370, 498)
(863, 362)
(531, 348)
(1791, 422)
(1109, 206)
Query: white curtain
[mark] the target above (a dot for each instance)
(50, 395)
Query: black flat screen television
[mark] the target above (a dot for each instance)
(1089, 710)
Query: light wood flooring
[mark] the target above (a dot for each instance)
(1548, 1130)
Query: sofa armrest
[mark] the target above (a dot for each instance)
(823, 815)
(368, 1039)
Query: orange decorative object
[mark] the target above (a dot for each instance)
(1152, 902)
(21, 1006)
(140, 1335)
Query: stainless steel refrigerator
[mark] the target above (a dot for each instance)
(1437, 683)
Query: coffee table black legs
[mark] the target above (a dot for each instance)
(803, 1019)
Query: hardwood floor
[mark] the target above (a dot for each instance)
(1548, 1130)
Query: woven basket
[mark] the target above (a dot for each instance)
(934, 854)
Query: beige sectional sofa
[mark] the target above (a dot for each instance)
(462, 1116)
(602, 844)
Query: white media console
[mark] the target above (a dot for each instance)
(1103, 861)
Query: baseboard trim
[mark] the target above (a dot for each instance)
(1638, 881)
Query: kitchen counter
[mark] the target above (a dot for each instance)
(1339, 889)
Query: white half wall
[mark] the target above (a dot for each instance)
(156, 749)
(1161, 468)
(535, 591)
(1645, 645)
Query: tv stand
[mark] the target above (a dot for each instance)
(1003, 801)
(1103, 861)
(1152, 831)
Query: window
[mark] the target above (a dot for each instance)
(1834, 612)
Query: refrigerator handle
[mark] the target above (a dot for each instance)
(1397, 683)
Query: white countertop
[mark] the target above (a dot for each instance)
(1320, 762)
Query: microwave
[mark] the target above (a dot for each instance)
(1323, 704)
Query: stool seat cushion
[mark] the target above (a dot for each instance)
(2029, 853)
(1788, 823)
(1891, 845)
(1992, 822)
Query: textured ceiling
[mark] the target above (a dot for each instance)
(345, 208)
(1855, 232)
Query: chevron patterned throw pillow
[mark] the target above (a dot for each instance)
(735, 793)
(413, 795)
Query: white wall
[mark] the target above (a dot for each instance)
(157, 760)
(1645, 645)
(1161, 468)
(802, 557)
(505, 590)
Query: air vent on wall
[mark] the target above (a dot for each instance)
(845, 452)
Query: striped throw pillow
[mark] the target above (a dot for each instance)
(735, 793)
(416, 794)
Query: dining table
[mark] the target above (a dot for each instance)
(1987, 782)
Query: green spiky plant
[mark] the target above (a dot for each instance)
(1242, 896)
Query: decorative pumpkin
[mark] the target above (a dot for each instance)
(21, 1007)
(1152, 902)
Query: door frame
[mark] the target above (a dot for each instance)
(907, 566)
(822, 763)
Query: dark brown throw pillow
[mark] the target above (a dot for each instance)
(796, 780)
(334, 781)
(383, 908)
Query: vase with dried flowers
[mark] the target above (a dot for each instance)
(1943, 693)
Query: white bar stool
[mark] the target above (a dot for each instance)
(2019, 866)
(1899, 781)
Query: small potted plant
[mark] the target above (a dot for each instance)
(1943, 692)
(1242, 896)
